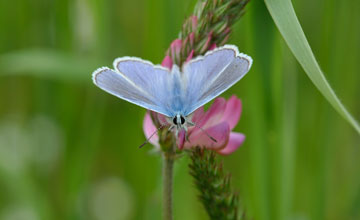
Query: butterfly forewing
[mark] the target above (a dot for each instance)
(150, 78)
(208, 76)
(166, 87)
(135, 89)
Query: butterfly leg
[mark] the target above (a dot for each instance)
(176, 133)
(186, 134)
(190, 123)
(171, 127)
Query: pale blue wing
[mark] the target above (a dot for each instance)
(208, 76)
(138, 82)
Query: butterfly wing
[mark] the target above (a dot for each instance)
(208, 76)
(136, 81)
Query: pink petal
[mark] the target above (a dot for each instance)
(232, 111)
(219, 132)
(198, 114)
(190, 56)
(181, 139)
(162, 119)
(149, 129)
(235, 141)
(213, 114)
(167, 62)
(176, 44)
(213, 46)
(195, 117)
(176, 47)
(158, 119)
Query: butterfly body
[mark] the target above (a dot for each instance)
(175, 93)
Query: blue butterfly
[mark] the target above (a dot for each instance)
(175, 93)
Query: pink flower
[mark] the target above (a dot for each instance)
(167, 62)
(217, 121)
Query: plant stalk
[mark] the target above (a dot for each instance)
(168, 166)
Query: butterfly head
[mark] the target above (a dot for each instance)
(180, 122)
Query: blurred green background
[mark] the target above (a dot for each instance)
(70, 151)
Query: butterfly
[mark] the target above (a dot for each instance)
(175, 93)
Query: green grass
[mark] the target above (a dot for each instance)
(62, 140)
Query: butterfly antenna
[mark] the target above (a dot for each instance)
(207, 134)
(147, 140)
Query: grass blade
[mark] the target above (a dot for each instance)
(284, 16)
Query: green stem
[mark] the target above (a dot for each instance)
(169, 158)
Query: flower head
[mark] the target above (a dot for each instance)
(218, 122)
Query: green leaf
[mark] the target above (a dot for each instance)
(284, 16)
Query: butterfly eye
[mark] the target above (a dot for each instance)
(182, 119)
(174, 121)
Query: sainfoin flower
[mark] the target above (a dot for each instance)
(218, 121)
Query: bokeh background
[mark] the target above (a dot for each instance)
(70, 151)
